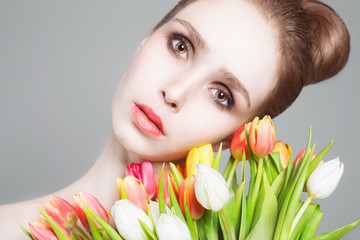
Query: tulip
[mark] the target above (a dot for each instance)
(155, 211)
(239, 144)
(210, 188)
(203, 154)
(61, 211)
(284, 151)
(41, 230)
(145, 173)
(166, 187)
(324, 179)
(172, 227)
(301, 155)
(135, 191)
(262, 136)
(126, 216)
(92, 203)
(187, 188)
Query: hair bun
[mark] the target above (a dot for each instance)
(331, 40)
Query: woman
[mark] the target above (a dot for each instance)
(225, 62)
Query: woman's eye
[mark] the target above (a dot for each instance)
(221, 97)
(180, 48)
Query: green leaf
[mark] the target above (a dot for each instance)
(216, 164)
(175, 204)
(228, 214)
(211, 223)
(177, 175)
(265, 216)
(105, 226)
(95, 233)
(162, 207)
(238, 205)
(317, 159)
(278, 183)
(149, 234)
(189, 221)
(26, 232)
(338, 233)
(274, 157)
(243, 231)
(74, 236)
(303, 221)
(55, 227)
(311, 225)
(228, 167)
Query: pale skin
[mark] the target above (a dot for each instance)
(208, 88)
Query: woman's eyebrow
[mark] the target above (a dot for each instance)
(230, 78)
(235, 83)
(194, 34)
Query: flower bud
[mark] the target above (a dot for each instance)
(203, 154)
(187, 188)
(210, 188)
(135, 191)
(145, 173)
(324, 179)
(262, 136)
(172, 227)
(284, 151)
(126, 216)
(239, 144)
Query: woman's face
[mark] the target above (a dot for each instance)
(195, 80)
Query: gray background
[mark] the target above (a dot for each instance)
(59, 65)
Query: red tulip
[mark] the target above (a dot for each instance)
(41, 230)
(301, 155)
(91, 202)
(167, 176)
(145, 173)
(262, 136)
(187, 188)
(135, 191)
(61, 211)
(239, 144)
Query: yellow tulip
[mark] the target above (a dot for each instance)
(203, 154)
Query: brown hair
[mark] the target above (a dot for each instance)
(313, 40)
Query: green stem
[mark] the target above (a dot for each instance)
(229, 235)
(105, 235)
(300, 213)
(232, 172)
(81, 232)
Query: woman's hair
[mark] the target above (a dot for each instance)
(313, 40)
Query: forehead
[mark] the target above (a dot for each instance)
(240, 39)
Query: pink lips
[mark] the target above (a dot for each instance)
(147, 120)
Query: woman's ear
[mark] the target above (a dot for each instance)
(225, 143)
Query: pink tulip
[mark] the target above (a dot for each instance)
(61, 211)
(239, 144)
(145, 173)
(187, 188)
(135, 191)
(41, 230)
(262, 136)
(91, 202)
(301, 155)
(167, 176)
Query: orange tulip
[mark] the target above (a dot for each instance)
(145, 173)
(284, 151)
(135, 191)
(262, 136)
(239, 144)
(187, 188)
(61, 211)
(167, 177)
(41, 230)
(92, 203)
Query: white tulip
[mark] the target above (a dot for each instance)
(170, 226)
(155, 211)
(126, 216)
(324, 179)
(210, 188)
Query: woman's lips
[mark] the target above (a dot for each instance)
(147, 120)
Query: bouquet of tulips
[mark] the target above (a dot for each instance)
(195, 201)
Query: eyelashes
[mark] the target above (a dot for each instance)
(181, 47)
